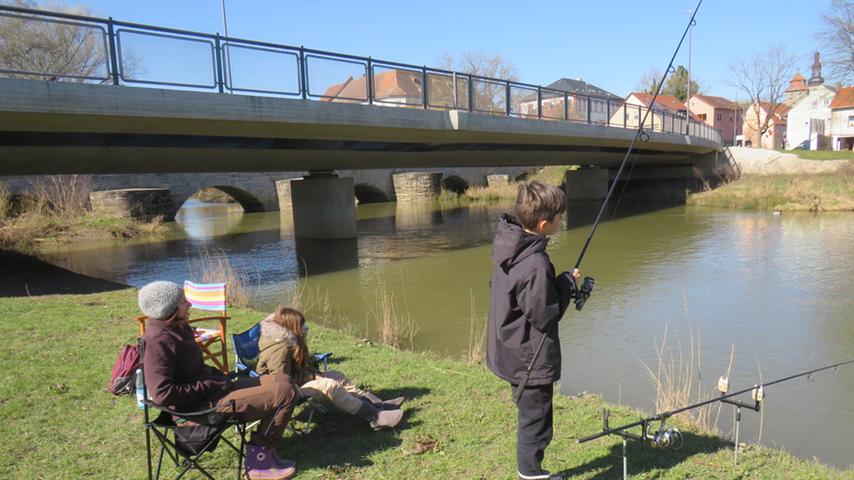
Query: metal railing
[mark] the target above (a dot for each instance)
(288, 71)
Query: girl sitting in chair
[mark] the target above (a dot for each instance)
(283, 350)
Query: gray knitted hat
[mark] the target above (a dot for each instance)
(159, 300)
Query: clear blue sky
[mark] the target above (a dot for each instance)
(609, 43)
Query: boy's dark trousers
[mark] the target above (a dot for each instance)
(535, 427)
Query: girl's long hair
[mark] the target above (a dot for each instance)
(294, 321)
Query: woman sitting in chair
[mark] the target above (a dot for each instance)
(177, 378)
(283, 350)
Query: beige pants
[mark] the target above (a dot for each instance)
(335, 388)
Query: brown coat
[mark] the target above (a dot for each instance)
(175, 375)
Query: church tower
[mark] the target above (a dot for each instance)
(816, 79)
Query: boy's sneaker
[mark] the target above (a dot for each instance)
(541, 475)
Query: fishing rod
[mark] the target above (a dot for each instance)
(670, 437)
(581, 294)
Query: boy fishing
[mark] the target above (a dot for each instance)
(527, 301)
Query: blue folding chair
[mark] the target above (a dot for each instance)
(246, 353)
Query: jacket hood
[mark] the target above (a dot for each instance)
(513, 244)
(272, 332)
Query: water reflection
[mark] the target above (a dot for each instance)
(317, 257)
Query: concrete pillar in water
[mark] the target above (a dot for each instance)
(323, 207)
(417, 186)
(586, 184)
(283, 193)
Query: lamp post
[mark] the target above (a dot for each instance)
(690, 43)
(225, 48)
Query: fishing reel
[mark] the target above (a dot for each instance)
(665, 437)
(582, 294)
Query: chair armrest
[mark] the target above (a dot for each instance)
(198, 413)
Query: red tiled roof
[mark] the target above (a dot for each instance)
(662, 102)
(844, 98)
(390, 84)
(716, 102)
(797, 77)
(779, 117)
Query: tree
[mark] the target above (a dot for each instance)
(487, 96)
(53, 50)
(837, 39)
(763, 78)
(675, 85)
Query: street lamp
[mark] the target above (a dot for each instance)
(690, 43)
(225, 48)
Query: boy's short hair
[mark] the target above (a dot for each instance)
(538, 201)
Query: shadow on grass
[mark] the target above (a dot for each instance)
(338, 441)
(642, 458)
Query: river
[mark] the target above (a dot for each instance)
(775, 289)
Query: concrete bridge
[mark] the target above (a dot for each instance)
(59, 127)
(106, 126)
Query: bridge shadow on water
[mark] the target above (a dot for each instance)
(643, 458)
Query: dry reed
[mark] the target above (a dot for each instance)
(477, 334)
(674, 378)
(66, 194)
(392, 327)
(214, 268)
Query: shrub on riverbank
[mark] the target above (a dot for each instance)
(459, 423)
(815, 193)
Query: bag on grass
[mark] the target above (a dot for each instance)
(124, 370)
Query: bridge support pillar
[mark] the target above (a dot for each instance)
(417, 186)
(323, 206)
(586, 184)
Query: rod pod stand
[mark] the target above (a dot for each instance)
(758, 397)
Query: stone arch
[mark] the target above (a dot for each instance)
(249, 202)
(455, 184)
(367, 193)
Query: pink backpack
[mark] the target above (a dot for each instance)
(124, 370)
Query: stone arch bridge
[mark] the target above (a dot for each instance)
(268, 191)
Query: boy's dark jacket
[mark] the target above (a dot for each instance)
(527, 302)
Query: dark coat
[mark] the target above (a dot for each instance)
(176, 377)
(527, 301)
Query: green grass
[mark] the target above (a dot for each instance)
(830, 192)
(822, 154)
(57, 421)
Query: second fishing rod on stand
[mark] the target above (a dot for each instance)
(582, 293)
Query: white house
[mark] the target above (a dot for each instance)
(808, 122)
(842, 119)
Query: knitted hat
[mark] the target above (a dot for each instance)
(159, 300)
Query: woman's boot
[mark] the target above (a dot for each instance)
(392, 404)
(261, 465)
(379, 419)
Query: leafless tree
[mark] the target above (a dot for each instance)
(675, 85)
(54, 49)
(649, 81)
(837, 39)
(487, 95)
(763, 78)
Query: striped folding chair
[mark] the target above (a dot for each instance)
(208, 297)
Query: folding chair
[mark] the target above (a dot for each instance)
(246, 357)
(212, 341)
(186, 449)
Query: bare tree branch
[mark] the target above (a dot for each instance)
(837, 40)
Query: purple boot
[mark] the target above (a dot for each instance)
(261, 464)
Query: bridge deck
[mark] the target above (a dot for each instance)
(61, 127)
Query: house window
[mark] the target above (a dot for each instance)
(851, 120)
(702, 116)
(719, 117)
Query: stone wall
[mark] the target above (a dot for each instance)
(139, 203)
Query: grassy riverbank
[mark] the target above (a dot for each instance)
(822, 154)
(552, 175)
(55, 215)
(816, 193)
(59, 422)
